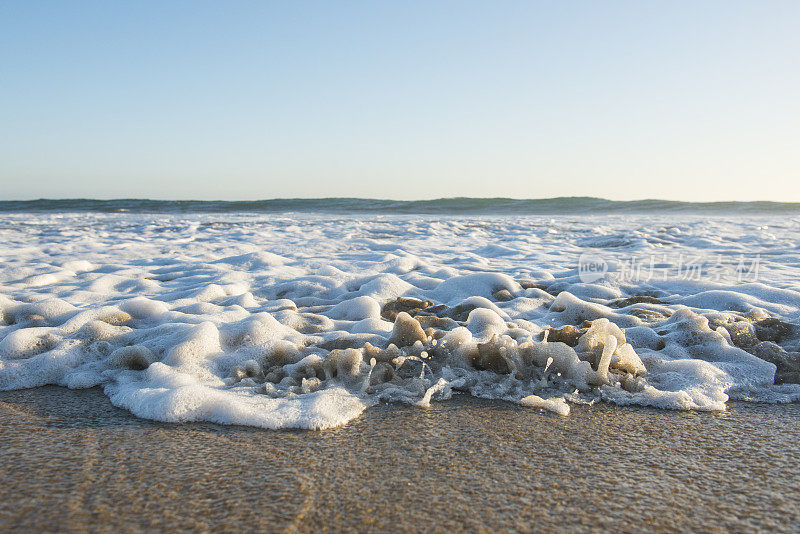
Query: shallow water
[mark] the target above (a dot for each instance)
(72, 461)
(243, 318)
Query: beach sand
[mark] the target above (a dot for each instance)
(72, 462)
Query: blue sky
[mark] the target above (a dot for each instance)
(243, 100)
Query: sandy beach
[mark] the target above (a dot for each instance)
(73, 462)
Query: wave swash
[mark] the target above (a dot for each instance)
(305, 320)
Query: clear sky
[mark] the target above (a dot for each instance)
(689, 100)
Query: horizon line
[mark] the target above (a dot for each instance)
(377, 199)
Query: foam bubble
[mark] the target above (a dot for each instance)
(303, 322)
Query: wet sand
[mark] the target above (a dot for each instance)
(72, 462)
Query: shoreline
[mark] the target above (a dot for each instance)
(75, 462)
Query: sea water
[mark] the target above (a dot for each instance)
(302, 314)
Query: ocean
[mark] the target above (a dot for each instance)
(307, 313)
(441, 206)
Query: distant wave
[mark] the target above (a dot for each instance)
(442, 206)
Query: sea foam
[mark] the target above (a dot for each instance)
(304, 321)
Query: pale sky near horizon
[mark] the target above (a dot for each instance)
(408, 100)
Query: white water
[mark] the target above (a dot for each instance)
(233, 318)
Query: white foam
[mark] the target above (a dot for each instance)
(263, 320)
(165, 395)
